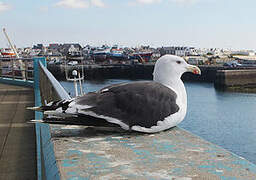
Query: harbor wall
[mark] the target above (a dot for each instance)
(46, 88)
(224, 78)
(50, 88)
(129, 72)
(242, 79)
(236, 80)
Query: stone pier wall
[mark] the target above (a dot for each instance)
(129, 72)
(236, 80)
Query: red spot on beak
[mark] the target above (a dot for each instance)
(195, 71)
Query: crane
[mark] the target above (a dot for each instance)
(22, 65)
(9, 41)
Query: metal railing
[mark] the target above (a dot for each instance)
(50, 88)
(17, 68)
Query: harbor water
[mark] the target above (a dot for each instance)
(223, 118)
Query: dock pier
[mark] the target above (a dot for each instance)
(81, 152)
(98, 153)
(224, 78)
(236, 80)
(17, 137)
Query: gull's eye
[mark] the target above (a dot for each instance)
(178, 62)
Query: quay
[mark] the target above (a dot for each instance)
(17, 137)
(236, 80)
(81, 152)
(98, 153)
(224, 78)
(137, 71)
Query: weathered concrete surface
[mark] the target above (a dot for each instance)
(17, 138)
(103, 153)
(236, 80)
(140, 71)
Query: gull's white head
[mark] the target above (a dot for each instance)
(169, 68)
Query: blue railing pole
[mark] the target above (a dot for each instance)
(13, 79)
(38, 115)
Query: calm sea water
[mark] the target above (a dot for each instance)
(223, 118)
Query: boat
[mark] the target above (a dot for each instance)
(100, 54)
(141, 56)
(118, 55)
(74, 54)
(7, 53)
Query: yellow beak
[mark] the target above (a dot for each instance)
(193, 69)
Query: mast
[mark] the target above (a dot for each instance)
(9, 41)
(22, 65)
(80, 78)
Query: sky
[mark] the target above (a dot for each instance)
(198, 23)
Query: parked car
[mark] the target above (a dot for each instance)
(57, 61)
(232, 64)
(73, 63)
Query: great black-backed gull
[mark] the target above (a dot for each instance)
(145, 106)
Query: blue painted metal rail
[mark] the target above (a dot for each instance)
(12, 73)
(47, 167)
(62, 93)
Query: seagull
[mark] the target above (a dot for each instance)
(144, 106)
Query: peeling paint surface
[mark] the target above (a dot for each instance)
(108, 153)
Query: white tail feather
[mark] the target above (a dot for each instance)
(34, 108)
(35, 121)
(58, 114)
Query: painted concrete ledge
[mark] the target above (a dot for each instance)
(102, 153)
(46, 163)
(17, 82)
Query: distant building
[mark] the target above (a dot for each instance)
(196, 60)
(242, 53)
(177, 50)
(54, 46)
(38, 46)
(166, 50)
(64, 49)
(246, 59)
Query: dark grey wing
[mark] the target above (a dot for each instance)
(139, 103)
(89, 99)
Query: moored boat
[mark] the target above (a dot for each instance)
(117, 54)
(141, 56)
(7, 53)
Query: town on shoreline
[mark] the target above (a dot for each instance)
(74, 53)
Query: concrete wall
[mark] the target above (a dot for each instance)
(46, 88)
(130, 72)
(48, 92)
(46, 163)
(236, 80)
(50, 88)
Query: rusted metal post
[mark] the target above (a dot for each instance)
(26, 70)
(0, 67)
(12, 68)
